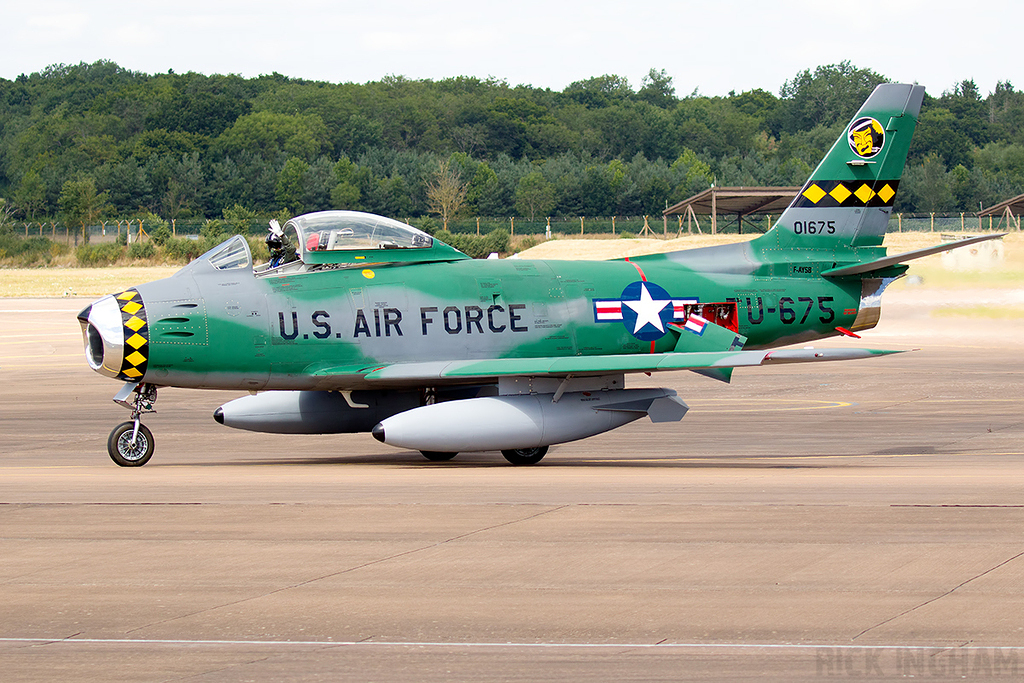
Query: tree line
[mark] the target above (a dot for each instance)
(87, 141)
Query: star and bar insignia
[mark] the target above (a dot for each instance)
(645, 309)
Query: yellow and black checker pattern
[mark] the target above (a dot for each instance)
(136, 334)
(847, 193)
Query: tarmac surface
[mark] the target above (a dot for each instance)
(842, 520)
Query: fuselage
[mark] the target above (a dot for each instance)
(233, 328)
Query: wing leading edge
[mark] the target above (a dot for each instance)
(580, 366)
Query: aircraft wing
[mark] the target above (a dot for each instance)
(459, 371)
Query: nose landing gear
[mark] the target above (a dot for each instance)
(131, 443)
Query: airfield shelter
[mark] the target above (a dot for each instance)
(737, 201)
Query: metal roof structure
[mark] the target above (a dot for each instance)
(1009, 209)
(740, 201)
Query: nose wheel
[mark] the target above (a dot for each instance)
(131, 443)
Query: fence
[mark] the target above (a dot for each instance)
(655, 226)
(562, 226)
(112, 230)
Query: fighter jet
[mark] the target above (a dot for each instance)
(361, 323)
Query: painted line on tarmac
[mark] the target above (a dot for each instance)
(20, 366)
(824, 405)
(764, 459)
(456, 644)
(37, 336)
(767, 405)
(41, 310)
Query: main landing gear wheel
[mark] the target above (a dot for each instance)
(129, 452)
(525, 456)
(437, 456)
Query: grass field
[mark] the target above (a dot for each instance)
(933, 273)
(57, 282)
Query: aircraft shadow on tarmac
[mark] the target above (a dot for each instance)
(410, 460)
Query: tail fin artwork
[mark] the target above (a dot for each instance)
(835, 225)
(842, 212)
(848, 199)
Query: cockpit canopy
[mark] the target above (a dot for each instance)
(334, 239)
(351, 230)
(356, 237)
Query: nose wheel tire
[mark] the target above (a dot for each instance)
(525, 456)
(125, 453)
(436, 456)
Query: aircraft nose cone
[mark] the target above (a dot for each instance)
(218, 415)
(103, 335)
(378, 432)
(116, 335)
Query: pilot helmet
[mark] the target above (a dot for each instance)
(273, 241)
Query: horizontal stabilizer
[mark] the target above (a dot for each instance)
(879, 264)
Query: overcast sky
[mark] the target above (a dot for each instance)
(714, 47)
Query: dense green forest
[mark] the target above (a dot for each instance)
(82, 142)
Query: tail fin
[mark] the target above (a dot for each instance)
(848, 199)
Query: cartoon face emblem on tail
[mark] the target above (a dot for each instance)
(867, 137)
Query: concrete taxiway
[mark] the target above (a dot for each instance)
(805, 522)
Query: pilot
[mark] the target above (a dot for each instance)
(280, 251)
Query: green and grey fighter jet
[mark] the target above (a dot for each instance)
(378, 327)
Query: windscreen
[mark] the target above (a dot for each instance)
(231, 254)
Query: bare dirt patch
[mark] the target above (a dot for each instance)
(575, 249)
